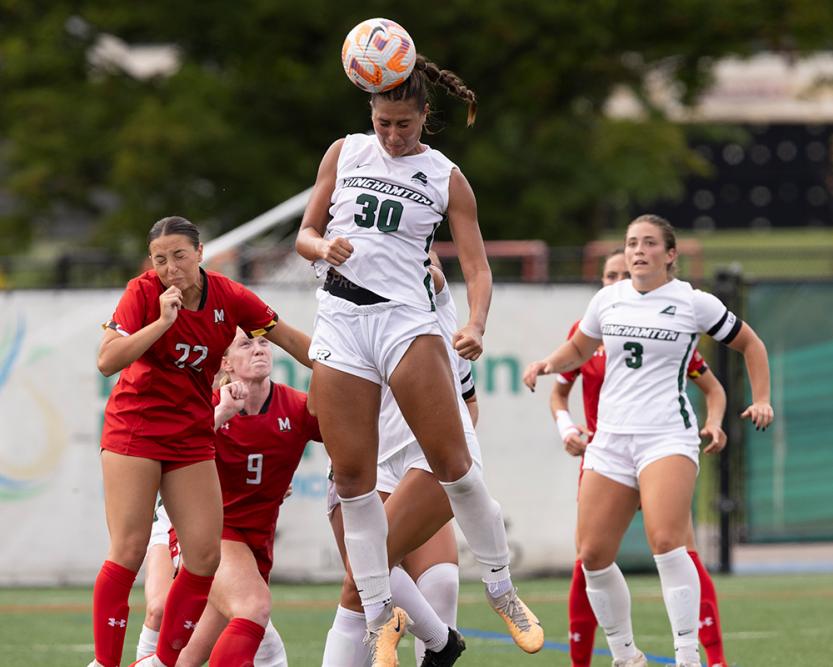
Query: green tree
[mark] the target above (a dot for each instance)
(260, 94)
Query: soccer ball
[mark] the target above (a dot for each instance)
(378, 54)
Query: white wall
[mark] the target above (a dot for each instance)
(52, 397)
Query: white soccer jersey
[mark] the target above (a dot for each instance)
(394, 433)
(649, 339)
(388, 208)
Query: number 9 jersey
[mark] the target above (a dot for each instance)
(649, 340)
(161, 406)
(388, 208)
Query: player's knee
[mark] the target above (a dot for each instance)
(451, 464)
(354, 482)
(154, 607)
(596, 555)
(202, 559)
(256, 607)
(129, 551)
(665, 540)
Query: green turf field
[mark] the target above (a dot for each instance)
(773, 621)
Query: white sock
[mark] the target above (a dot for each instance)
(365, 536)
(481, 521)
(147, 642)
(427, 626)
(681, 592)
(611, 601)
(344, 647)
(271, 652)
(440, 586)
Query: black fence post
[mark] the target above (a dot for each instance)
(727, 288)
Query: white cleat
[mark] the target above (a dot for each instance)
(639, 660)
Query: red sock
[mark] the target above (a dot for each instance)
(582, 620)
(110, 611)
(238, 644)
(710, 635)
(183, 608)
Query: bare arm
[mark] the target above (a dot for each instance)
(117, 352)
(560, 397)
(715, 411)
(757, 367)
(571, 434)
(293, 340)
(310, 242)
(567, 357)
(462, 219)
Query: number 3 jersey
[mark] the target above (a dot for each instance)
(388, 208)
(161, 406)
(649, 340)
(257, 455)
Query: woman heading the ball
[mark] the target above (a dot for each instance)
(646, 447)
(424, 579)
(376, 203)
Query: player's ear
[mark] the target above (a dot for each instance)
(199, 253)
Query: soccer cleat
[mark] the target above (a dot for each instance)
(639, 660)
(448, 654)
(95, 663)
(523, 625)
(383, 635)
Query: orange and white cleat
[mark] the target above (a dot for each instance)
(383, 635)
(523, 625)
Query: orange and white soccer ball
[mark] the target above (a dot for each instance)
(378, 54)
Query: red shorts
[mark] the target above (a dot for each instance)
(169, 464)
(261, 542)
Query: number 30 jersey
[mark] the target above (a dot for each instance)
(649, 340)
(388, 208)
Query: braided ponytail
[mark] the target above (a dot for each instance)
(416, 87)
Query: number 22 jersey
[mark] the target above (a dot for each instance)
(649, 340)
(161, 406)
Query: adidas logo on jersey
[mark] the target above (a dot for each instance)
(669, 310)
(419, 176)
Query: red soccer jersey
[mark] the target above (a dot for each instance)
(593, 374)
(257, 456)
(161, 406)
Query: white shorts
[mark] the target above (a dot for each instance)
(160, 532)
(622, 457)
(367, 341)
